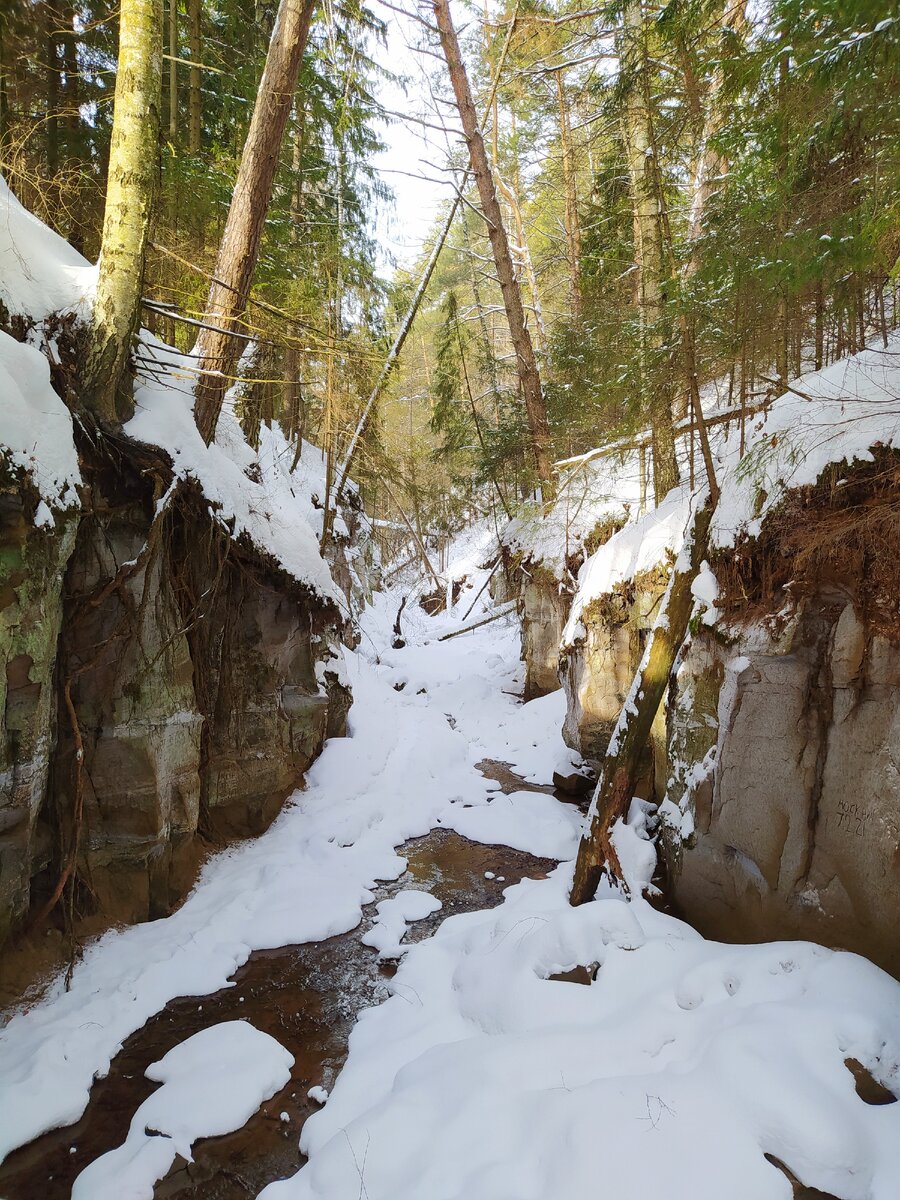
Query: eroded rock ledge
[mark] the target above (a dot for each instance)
(164, 688)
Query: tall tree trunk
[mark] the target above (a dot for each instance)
(523, 253)
(572, 226)
(195, 102)
(130, 188)
(512, 298)
(615, 787)
(52, 86)
(218, 350)
(637, 136)
(173, 70)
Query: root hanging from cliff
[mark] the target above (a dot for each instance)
(843, 531)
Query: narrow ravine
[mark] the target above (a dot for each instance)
(308, 995)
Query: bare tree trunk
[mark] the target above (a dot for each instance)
(512, 298)
(218, 352)
(615, 787)
(636, 133)
(130, 187)
(195, 102)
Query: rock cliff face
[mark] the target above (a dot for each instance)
(32, 564)
(777, 759)
(796, 811)
(596, 668)
(543, 609)
(164, 688)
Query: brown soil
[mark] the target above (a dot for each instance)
(842, 531)
(307, 997)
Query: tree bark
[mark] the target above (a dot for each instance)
(526, 362)
(615, 787)
(195, 101)
(130, 188)
(173, 70)
(573, 228)
(218, 352)
(636, 133)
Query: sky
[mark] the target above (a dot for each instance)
(414, 155)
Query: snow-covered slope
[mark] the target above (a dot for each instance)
(826, 417)
(36, 428)
(40, 273)
(252, 492)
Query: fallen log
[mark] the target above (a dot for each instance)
(495, 616)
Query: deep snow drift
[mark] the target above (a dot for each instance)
(674, 1073)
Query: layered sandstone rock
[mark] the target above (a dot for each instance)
(796, 810)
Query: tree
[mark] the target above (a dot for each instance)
(526, 362)
(218, 347)
(131, 183)
(615, 787)
(640, 152)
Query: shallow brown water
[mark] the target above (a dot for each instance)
(307, 997)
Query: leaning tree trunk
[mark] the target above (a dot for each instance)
(218, 349)
(130, 188)
(637, 136)
(512, 297)
(615, 788)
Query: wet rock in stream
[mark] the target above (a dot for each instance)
(307, 997)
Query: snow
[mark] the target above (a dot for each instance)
(705, 590)
(393, 917)
(36, 430)
(212, 1083)
(402, 772)
(251, 492)
(828, 416)
(40, 273)
(318, 1094)
(591, 494)
(673, 1074)
(646, 542)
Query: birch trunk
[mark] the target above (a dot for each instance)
(217, 349)
(130, 188)
(512, 297)
(615, 787)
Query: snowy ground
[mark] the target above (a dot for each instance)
(675, 1073)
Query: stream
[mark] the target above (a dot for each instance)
(306, 996)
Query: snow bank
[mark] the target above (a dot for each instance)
(591, 494)
(40, 273)
(36, 427)
(251, 492)
(212, 1083)
(641, 545)
(828, 416)
(673, 1074)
